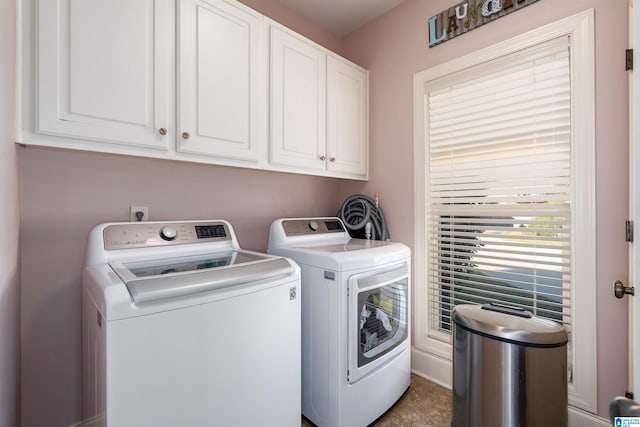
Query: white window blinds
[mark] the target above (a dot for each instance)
(499, 186)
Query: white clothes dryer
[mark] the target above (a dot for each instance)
(355, 319)
(183, 328)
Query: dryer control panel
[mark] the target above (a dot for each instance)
(300, 227)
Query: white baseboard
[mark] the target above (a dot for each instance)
(431, 367)
(440, 371)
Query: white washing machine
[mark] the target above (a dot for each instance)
(355, 320)
(183, 328)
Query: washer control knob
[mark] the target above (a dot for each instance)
(313, 226)
(168, 233)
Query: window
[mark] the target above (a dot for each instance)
(504, 191)
(499, 187)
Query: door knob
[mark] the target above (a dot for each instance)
(620, 290)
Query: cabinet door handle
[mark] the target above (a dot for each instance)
(162, 131)
(323, 158)
(332, 160)
(186, 135)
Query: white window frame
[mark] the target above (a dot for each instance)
(432, 358)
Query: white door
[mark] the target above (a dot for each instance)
(218, 79)
(634, 311)
(105, 69)
(347, 118)
(298, 101)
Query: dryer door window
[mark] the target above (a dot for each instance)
(379, 304)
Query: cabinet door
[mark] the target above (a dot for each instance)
(218, 92)
(298, 101)
(347, 117)
(103, 70)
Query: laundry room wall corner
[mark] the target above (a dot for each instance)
(67, 193)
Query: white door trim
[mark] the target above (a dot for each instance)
(634, 201)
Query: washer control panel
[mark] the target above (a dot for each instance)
(146, 234)
(301, 227)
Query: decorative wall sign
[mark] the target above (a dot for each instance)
(469, 15)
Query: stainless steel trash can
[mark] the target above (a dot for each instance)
(509, 368)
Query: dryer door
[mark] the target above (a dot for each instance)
(378, 318)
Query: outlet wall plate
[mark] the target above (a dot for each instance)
(134, 209)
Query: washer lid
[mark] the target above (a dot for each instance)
(159, 279)
(510, 324)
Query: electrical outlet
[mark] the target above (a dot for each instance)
(136, 209)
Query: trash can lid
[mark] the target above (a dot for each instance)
(511, 324)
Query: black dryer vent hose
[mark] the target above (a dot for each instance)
(357, 211)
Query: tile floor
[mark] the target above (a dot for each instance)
(425, 405)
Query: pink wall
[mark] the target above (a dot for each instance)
(9, 228)
(66, 193)
(396, 46)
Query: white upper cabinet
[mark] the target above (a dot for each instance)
(219, 77)
(319, 108)
(298, 101)
(208, 81)
(347, 118)
(103, 71)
